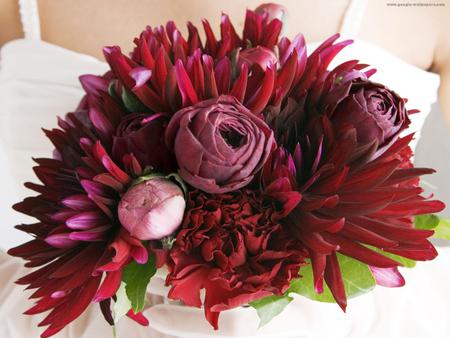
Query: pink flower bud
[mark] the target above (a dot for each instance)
(258, 55)
(273, 11)
(152, 209)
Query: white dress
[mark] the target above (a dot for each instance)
(39, 81)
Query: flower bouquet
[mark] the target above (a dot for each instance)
(241, 164)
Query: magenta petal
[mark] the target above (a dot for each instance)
(388, 277)
(141, 75)
(62, 241)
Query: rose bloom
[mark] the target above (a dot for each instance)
(143, 135)
(377, 113)
(229, 245)
(219, 144)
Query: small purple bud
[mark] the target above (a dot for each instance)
(152, 209)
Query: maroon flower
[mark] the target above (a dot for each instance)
(167, 72)
(79, 248)
(353, 195)
(229, 246)
(377, 113)
(219, 144)
(143, 135)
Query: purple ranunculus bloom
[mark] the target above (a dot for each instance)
(219, 144)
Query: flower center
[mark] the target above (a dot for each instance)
(232, 137)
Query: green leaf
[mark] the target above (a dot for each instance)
(122, 304)
(443, 229)
(357, 278)
(270, 307)
(136, 277)
(131, 102)
(426, 222)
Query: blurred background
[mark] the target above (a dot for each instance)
(434, 150)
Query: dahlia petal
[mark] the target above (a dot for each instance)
(78, 202)
(240, 85)
(318, 262)
(409, 208)
(108, 180)
(63, 241)
(115, 171)
(402, 175)
(141, 76)
(419, 251)
(222, 73)
(187, 90)
(388, 277)
(363, 235)
(92, 235)
(138, 318)
(93, 84)
(43, 305)
(105, 307)
(109, 286)
(211, 42)
(210, 80)
(77, 303)
(286, 74)
(334, 280)
(259, 100)
(396, 233)
(360, 252)
(370, 176)
(86, 220)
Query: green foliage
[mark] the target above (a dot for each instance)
(270, 307)
(136, 277)
(131, 102)
(357, 277)
(426, 222)
(442, 230)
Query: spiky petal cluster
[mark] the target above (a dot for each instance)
(355, 196)
(79, 247)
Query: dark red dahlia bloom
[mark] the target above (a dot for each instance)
(350, 204)
(219, 144)
(230, 246)
(79, 247)
(167, 72)
(356, 192)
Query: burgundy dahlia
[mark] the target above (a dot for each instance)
(79, 248)
(167, 72)
(353, 196)
(229, 245)
(219, 144)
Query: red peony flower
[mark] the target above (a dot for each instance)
(152, 209)
(219, 144)
(229, 246)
